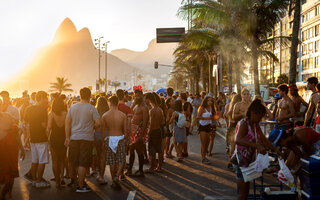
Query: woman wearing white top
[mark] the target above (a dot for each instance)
(206, 120)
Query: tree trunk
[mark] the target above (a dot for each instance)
(238, 77)
(254, 66)
(191, 84)
(197, 80)
(230, 74)
(294, 44)
(210, 75)
(220, 67)
(202, 75)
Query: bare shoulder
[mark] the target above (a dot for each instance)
(50, 116)
(122, 114)
(316, 97)
(105, 115)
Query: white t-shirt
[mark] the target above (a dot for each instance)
(83, 117)
(14, 112)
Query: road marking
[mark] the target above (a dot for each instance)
(218, 198)
(99, 192)
(24, 190)
(216, 178)
(131, 195)
(184, 183)
(152, 194)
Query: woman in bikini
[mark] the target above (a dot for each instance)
(206, 129)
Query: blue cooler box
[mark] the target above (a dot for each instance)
(276, 195)
(310, 165)
(306, 196)
(311, 183)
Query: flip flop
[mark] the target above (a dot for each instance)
(138, 174)
(115, 187)
(159, 170)
(147, 171)
(116, 182)
(180, 160)
(101, 181)
(128, 173)
(123, 178)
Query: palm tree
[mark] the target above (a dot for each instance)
(247, 21)
(295, 41)
(61, 85)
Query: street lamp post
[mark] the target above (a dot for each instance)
(106, 65)
(98, 46)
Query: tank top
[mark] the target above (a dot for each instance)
(205, 122)
(246, 155)
(58, 135)
(312, 136)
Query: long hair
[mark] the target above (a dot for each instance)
(256, 107)
(204, 104)
(237, 98)
(102, 105)
(58, 106)
(178, 106)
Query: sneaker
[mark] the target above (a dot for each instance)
(42, 184)
(71, 184)
(34, 183)
(206, 161)
(83, 189)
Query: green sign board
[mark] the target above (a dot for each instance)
(166, 35)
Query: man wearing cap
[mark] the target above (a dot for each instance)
(273, 107)
(8, 107)
(315, 97)
(285, 109)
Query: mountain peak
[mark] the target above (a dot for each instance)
(66, 31)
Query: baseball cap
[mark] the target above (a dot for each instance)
(277, 96)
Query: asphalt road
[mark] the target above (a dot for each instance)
(188, 180)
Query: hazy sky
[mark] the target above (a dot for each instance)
(28, 25)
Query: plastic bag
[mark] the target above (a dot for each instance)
(284, 174)
(262, 162)
(249, 173)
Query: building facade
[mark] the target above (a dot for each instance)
(308, 63)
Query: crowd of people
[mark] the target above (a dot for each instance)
(88, 132)
(296, 133)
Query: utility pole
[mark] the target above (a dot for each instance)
(98, 46)
(106, 66)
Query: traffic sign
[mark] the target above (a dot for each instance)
(166, 35)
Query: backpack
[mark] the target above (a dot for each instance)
(182, 122)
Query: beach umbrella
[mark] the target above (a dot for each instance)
(161, 90)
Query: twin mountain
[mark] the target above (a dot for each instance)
(73, 55)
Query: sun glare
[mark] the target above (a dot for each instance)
(7, 73)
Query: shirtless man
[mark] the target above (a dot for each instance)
(128, 112)
(115, 123)
(315, 97)
(297, 101)
(240, 109)
(155, 139)
(285, 108)
(138, 133)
